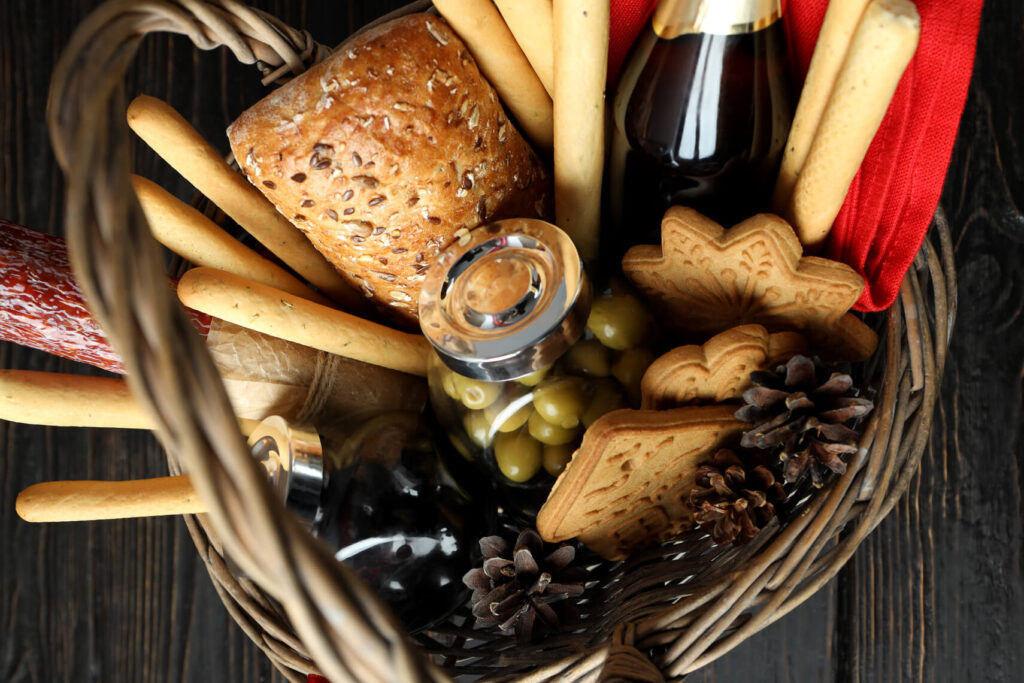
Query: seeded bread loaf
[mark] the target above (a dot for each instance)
(388, 151)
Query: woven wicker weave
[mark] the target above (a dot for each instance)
(662, 613)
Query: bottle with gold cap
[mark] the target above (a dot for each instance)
(702, 111)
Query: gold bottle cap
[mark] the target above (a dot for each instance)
(673, 18)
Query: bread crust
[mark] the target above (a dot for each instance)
(387, 152)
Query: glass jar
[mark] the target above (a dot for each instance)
(378, 494)
(526, 358)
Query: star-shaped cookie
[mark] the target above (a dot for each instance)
(719, 370)
(626, 486)
(704, 279)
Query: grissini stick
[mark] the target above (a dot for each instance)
(280, 314)
(841, 20)
(78, 501)
(481, 27)
(181, 146)
(63, 400)
(197, 239)
(57, 399)
(879, 53)
(581, 29)
(530, 23)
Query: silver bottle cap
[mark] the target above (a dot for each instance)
(505, 300)
(293, 458)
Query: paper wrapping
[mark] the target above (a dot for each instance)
(264, 376)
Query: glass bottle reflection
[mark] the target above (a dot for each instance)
(380, 496)
(702, 112)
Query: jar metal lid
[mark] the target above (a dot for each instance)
(505, 300)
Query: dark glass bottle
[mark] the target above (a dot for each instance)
(380, 496)
(702, 112)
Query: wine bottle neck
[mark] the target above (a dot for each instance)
(673, 18)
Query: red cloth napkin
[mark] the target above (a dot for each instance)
(894, 195)
(628, 18)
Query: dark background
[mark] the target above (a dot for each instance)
(936, 593)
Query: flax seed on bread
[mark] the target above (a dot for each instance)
(387, 152)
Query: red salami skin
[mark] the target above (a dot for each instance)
(42, 306)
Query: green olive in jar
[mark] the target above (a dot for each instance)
(619, 322)
(534, 378)
(477, 427)
(448, 384)
(555, 458)
(548, 433)
(589, 357)
(474, 394)
(629, 368)
(518, 455)
(605, 396)
(508, 416)
(560, 401)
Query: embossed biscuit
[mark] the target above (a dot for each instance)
(706, 279)
(719, 370)
(626, 486)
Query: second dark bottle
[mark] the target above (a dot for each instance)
(702, 112)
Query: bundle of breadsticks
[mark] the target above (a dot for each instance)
(342, 196)
(556, 56)
(862, 51)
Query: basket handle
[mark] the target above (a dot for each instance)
(349, 633)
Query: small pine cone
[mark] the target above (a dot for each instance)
(518, 588)
(804, 411)
(734, 496)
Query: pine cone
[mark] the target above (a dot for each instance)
(517, 591)
(734, 496)
(803, 411)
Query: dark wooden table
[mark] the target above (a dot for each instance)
(937, 593)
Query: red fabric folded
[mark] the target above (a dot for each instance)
(894, 195)
(628, 18)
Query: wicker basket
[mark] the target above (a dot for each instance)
(662, 613)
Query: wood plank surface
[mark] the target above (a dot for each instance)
(935, 594)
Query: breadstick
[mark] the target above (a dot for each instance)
(181, 146)
(581, 63)
(481, 27)
(841, 20)
(271, 311)
(879, 53)
(62, 400)
(196, 238)
(530, 23)
(77, 501)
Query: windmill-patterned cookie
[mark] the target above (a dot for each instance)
(626, 486)
(704, 279)
(719, 370)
